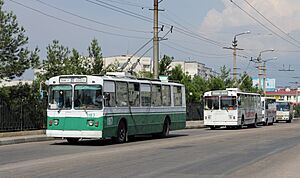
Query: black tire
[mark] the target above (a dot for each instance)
(254, 125)
(73, 141)
(212, 127)
(242, 123)
(272, 123)
(265, 123)
(122, 135)
(289, 121)
(166, 128)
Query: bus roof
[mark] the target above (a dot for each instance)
(228, 92)
(85, 78)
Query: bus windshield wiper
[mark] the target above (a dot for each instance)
(60, 109)
(84, 108)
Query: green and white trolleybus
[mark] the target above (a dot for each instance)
(99, 107)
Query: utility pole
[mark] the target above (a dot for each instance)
(261, 66)
(234, 45)
(155, 40)
(265, 73)
(234, 48)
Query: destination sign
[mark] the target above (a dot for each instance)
(219, 93)
(72, 79)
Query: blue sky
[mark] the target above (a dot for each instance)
(216, 20)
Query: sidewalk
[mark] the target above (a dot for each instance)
(8, 138)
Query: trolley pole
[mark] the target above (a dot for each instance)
(155, 41)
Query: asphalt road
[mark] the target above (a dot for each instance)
(271, 151)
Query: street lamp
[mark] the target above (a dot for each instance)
(265, 71)
(259, 60)
(234, 48)
(267, 50)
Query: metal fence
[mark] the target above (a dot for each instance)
(22, 116)
(194, 111)
(28, 116)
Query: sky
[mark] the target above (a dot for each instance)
(201, 28)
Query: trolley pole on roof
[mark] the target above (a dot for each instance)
(155, 40)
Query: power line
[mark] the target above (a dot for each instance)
(130, 4)
(120, 10)
(271, 22)
(209, 55)
(91, 20)
(75, 24)
(188, 52)
(147, 19)
(263, 24)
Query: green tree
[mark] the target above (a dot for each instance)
(216, 83)
(164, 65)
(57, 61)
(225, 76)
(176, 74)
(15, 57)
(95, 53)
(245, 84)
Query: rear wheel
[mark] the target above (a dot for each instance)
(166, 128)
(72, 141)
(212, 127)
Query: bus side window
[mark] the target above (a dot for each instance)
(177, 95)
(145, 95)
(109, 93)
(134, 94)
(122, 94)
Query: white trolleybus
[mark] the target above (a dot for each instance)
(231, 108)
(268, 110)
(96, 107)
(284, 111)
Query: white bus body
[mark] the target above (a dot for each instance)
(284, 111)
(268, 110)
(231, 108)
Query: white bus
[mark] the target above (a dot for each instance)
(85, 106)
(284, 111)
(268, 110)
(231, 108)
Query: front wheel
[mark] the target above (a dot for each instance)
(121, 133)
(272, 123)
(254, 125)
(72, 141)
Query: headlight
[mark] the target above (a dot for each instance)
(56, 122)
(90, 122)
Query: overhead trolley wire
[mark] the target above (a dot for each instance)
(76, 24)
(263, 25)
(147, 19)
(278, 28)
(91, 20)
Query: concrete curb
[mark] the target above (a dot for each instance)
(22, 133)
(194, 125)
(24, 139)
